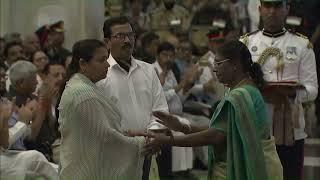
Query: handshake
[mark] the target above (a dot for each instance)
(155, 139)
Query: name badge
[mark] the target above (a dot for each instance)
(175, 22)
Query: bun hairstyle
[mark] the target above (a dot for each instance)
(236, 50)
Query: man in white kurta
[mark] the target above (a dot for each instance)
(137, 94)
(132, 84)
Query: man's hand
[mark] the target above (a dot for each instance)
(192, 74)
(47, 92)
(6, 109)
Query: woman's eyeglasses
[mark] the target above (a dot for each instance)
(217, 63)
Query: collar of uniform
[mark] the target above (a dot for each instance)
(274, 35)
(113, 63)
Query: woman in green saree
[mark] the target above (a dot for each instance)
(239, 140)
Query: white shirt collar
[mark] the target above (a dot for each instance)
(158, 67)
(113, 63)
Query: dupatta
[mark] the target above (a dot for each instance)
(245, 156)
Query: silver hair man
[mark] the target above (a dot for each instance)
(21, 70)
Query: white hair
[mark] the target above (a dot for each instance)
(21, 70)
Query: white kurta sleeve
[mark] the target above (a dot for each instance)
(308, 76)
(159, 102)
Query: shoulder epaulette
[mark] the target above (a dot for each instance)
(245, 37)
(309, 46)
(298, 34)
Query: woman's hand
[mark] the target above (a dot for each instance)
(156, 141)
(168, 120)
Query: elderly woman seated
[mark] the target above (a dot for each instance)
(19, 164)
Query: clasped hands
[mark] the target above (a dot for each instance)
(155, 139)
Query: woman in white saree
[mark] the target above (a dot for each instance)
(92, 145)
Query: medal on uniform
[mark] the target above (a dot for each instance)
(254, 48)
(291, 53)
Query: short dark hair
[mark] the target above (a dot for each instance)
(114, 21)
(10, 45)
(34, 53)
(165, 46)
(148, 38)
(51, 63)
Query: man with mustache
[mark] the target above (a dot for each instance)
(132, 84)
(286, 58)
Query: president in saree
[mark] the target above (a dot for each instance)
(239, 140)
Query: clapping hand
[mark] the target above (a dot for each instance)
(6, 109)
(47, 92)
(192, 74)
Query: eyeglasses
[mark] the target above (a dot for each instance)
(122, 36)
(220, 62)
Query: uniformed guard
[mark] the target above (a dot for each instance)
(216, 36)
(289, 66)
(56, 38)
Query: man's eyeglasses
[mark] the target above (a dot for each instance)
(122, 36)
(217, 63)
